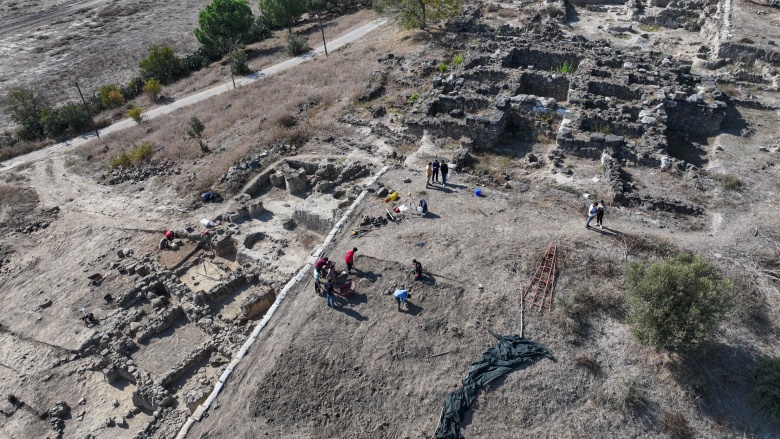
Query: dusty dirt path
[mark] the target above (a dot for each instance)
(195, 98)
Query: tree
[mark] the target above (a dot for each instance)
(282, 13)
(767, 386)
(153, 88)
(26, 106)
(161, 64)
(196, 132)
(224, 20)
(417, 13)
(674, 305)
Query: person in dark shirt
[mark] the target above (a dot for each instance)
(435, 166)
(445, 169)
(417, 270)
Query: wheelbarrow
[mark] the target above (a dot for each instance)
(346, 289)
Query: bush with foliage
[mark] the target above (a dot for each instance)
(136, 114)
(133, 88)
(153, 88)
(238, 62)
(224, 21)
(137, 153)
(195, 61)
(111, 96)
(25, 106)
(161, 64)
(68, 120)
(457, 60)
(675, 304)
(297, 45)
(767, 387)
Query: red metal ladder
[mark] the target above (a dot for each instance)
(544, 282)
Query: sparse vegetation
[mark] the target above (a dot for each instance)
(286, 121)
(137, 153)
(588, 363)
(767, 387)
(414, 97)
(442, 68)
(649, 28)
(675, 304)
(457, 60)
(196, 132)
(731, 182)
(136, 114)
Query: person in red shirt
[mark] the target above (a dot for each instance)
(350, 259)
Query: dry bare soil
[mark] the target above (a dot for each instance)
(365, 369)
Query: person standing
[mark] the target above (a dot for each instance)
(600, 209)
(317, 282)
(435, 166)
(329, 299)
(592, 210)
(350, 259)
(445, 169)
(400, 297)
(417, 269)
(428, 173)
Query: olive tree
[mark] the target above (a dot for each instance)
(675, 304)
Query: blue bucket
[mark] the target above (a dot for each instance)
(478, 192)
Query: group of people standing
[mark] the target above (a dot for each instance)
(432, 170)
(596, 210)
(325, 275)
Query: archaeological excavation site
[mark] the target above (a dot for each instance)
(390, 219)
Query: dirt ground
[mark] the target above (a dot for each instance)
(364, 369)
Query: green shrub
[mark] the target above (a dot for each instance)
(767, 387)
(136, 114)
(153, 88)
(68, 120)
(442, 68)
(457, 60)
(675, 304)
(195, 61)
(111, 96)
(260, 29)
(238, 62)
(297, 45)
(133, 88)
(137, 153)
(566, 67)
(732, 183)
(161, 64)
(414, 97)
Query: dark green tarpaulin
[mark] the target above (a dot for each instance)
(510, 352)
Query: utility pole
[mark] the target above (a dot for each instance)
(86, 108)
(319, 18)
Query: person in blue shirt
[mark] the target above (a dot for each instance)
(400, 297)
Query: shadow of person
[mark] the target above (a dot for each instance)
(428, 279)
(606, 231)
(431, 215)
(350, 312)
(369, 275)
(412, 309)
